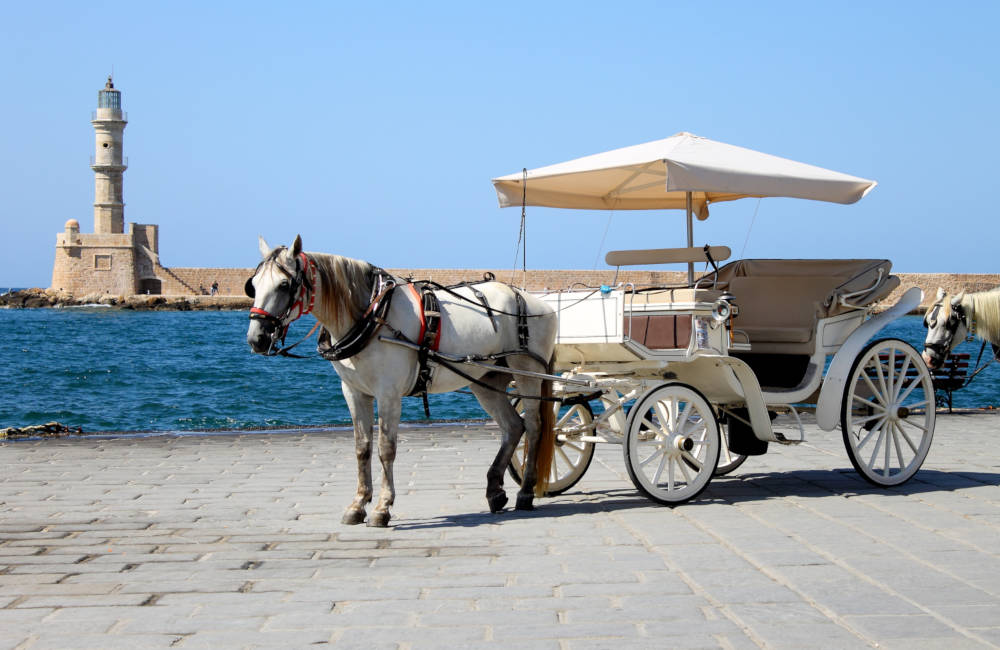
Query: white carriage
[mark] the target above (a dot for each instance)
(690, 380)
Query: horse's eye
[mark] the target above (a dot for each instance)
(283, 284)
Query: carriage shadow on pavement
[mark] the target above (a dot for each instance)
(843, 482)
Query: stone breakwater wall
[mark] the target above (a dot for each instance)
(181, 281)
(182, 292)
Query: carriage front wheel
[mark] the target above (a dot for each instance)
(572, 455)
(888, 412)
(671, 443)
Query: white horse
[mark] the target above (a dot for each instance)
(949, 322)
(346, 295)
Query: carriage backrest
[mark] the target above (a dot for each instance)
(667, 256)
(780, 301)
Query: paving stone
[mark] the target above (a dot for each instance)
(230, 540)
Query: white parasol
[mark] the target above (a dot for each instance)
(683, 171)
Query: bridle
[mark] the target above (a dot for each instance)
(301, 298)
(959, 314)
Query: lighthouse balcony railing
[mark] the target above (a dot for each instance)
(108, 163)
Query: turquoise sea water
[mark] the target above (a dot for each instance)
(111, 370)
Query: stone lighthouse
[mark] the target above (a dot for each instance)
(108, 163)
(121, 259)
(113, 260)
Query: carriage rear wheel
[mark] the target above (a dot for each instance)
(572, 456)
(887, 415)
(671, 443)
(728, 460)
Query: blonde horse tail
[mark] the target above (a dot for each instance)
(547, 441)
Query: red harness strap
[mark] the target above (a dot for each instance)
(310, 266)
(423, 320)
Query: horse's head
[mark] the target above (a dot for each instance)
(279, 288)
(947, 326)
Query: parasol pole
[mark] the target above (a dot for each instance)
(690, 225)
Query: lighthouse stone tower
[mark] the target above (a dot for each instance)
(111, 260)
(108, 163)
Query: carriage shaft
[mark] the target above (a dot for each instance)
(451, 358)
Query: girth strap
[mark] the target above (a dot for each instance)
(522, 320)
(429, 339)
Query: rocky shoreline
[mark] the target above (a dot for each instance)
(38, 298)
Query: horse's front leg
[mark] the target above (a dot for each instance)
(362, 411)
(389, 410)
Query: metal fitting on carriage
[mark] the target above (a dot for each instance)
(722, 310)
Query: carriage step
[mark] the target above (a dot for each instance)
(782, 440)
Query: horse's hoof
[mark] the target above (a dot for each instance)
(379, 519)
(353, 517)
(497, 502)
(525, 502)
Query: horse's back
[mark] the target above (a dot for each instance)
(491, 322)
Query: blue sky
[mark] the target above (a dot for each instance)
(373, 129)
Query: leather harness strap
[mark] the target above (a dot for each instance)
(363, 331)
(429, 338)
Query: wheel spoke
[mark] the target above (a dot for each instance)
(658, 431)
(909, 389)
(907, 439)
(871, 386)
(562, 454)
(899, 449)
(670, 478)
(682, 420)
(665, 413)
(890, 387)
(573, 446)
(878, 445)
(914, 424)
(902, 378)
(859, 423)
(659, 469)
(861, 443)
(881, 380)
(656, 454)
(888, 450)
(693, 460)
(869, 403)
(684, 471)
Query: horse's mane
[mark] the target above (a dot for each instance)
(987, 309)
(345, 285)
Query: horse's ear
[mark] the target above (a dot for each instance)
(957, 300)
(265, 250)
(940, 294)
(297, 246)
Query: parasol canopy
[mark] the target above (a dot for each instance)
(662, 174)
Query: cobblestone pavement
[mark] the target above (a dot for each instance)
(235, 541)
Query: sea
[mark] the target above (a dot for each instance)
(109, 370)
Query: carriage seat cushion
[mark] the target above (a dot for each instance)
(779, 309)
